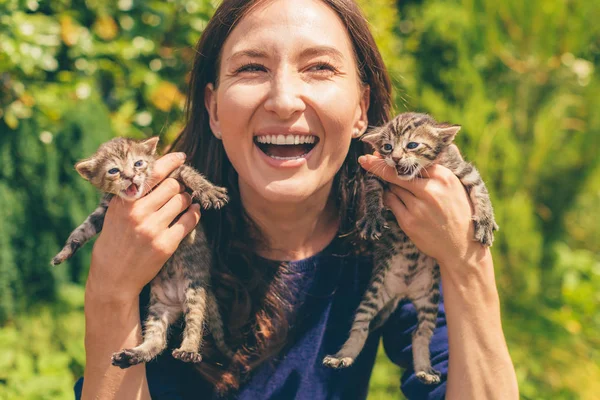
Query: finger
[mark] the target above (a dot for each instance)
(161, 195)
(186, 223)
(436, 171)
(379, 167)
(407, 197)
(417, 185)
(175, 206)
(397, 207)
(163, 167)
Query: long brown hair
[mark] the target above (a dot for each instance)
(251, 292)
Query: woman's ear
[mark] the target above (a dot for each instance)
(362, 120)
(210, 102)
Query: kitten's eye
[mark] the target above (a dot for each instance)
(412, 145)
(138, 163)
(113, 171)
(388, 147)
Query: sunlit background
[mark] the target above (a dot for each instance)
(521, 77)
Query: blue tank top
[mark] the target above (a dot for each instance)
(326, 290)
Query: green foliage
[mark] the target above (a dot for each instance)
(520, 77)
(42, 353)
(76, 75)
(523, 85)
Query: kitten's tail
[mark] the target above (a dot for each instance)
(216, 325)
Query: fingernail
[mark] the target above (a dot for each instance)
(362, 159)
(181, 155)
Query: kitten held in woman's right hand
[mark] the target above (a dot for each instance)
(122, 167)
(409, 143)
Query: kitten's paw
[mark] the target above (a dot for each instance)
(215, 197)
(484, 232)
(187, 356)
(371, 228)
(64, 255)
(334, 362)
(57, 260)
(429, 377)
(126, 358)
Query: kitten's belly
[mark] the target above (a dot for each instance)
(169, 285)
(401, 281)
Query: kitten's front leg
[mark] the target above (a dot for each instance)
(483, 213)
(204, 191)
(483, 217)
(372, 224)
(84, 232)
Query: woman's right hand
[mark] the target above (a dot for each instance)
(137, 237)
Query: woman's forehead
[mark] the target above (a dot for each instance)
(297, 26)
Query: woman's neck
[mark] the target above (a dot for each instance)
(293, 231)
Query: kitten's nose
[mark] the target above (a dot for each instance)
(396, 159)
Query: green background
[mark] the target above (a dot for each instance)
(521, 77)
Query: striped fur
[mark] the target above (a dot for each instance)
(183, 284)
(400, 270)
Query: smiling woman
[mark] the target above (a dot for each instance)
(279, 93)
(287, 70)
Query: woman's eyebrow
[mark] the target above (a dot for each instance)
(308, 52)
(251, 53)
(322, 51)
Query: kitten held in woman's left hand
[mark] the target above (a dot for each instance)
(409, 143)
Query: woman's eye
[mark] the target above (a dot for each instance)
(388, 147)
(113, 171)
(251, 67)
(323, 67)
(412, 145)
(138, 163)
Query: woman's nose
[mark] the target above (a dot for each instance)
(285, 95)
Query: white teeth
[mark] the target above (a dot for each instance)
(286, 139)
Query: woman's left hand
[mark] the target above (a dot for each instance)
(433, 210)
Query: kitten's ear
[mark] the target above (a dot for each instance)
(447, 132)
(372, 137)
(86, 168)
(150, 144)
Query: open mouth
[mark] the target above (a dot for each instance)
(286, 147)
(132, 190)
(403, 170)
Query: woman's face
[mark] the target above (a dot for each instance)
(288, 99)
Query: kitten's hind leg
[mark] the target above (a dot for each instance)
(373, 302)
(195, 313)
(216, 325)
(427, 309)
(156, 325)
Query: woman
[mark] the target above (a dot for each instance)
(308, 70)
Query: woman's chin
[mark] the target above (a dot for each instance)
(289, 191)
(293, 190)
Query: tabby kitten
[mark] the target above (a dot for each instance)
(122, 167)
(409, 143)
